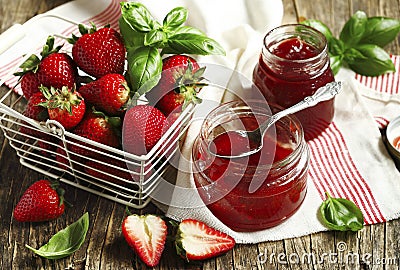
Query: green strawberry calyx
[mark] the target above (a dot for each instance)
(33, 61)
(189, 83)
(63, 99)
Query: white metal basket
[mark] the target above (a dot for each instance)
(128, 179)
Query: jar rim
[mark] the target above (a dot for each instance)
(323, 50)
(291, 118)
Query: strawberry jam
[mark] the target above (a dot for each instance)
(255, 192)
(293, 64)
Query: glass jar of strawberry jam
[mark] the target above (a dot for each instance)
(255, 192)
(293, 64)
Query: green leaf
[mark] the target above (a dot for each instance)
(369, 60)
(341, 214)
(175, 18)
(192, 43)
(380, 31)
(138, 17)
(354, 28)
(336, 62)
(155, 38)
(187, 30)
(320, 26)
(144, 68)
(66, 241)
(132, 38)
(336, 46)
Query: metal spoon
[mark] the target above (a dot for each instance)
(323, 93)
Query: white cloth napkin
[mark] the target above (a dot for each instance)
(348, 160)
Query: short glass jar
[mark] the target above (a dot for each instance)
(256, 192)
(293, 64)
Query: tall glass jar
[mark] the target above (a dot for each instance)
(293, 64)
(255, 192)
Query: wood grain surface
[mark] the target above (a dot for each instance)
(374, 247)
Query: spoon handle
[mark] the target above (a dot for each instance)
(323, 93)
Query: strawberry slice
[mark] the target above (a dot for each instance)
(146, 235)
(197, 241)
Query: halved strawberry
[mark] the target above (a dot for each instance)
(146, 235)
(197, 241)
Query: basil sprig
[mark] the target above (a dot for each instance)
(360, 43)
(341, 214)
(147, 40)
(66, 241)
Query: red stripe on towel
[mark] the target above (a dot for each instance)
(332, 169)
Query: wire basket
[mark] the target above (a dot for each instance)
(48, 148)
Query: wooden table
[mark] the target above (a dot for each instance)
(105, 247)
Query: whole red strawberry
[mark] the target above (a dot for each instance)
(143, 127)
(146, 235)
(57, 70)
(51, 69)
(179, 84)
(64, 105)
(36, 112)
(99, 52)
(109, 93)
(42, 201)
(33, 109)
(29, 84)
(98, 127)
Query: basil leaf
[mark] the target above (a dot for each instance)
(66, 241)
(138, 17)
(175, 18)
(354, 28)
(341, 214)
(155, 38)
(336, 62)
(132, 38)
(369, 60)
(320, 26)
(336, 46)
(380, 31)
(188, 30)
(191, 43)
(144, 68)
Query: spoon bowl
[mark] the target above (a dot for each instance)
(256, 136)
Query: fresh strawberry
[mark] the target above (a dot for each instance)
(64, 105)
(179, 84)
(51, 69)
(143, 127)
(109, 93)
(197, 241)
(29, 84)
(63, 159)
(98, 127)
(110, 169)
(33, 109)
(99, 52)
(57, 70)
(42, 201)
(146, 235)
(35, 112)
